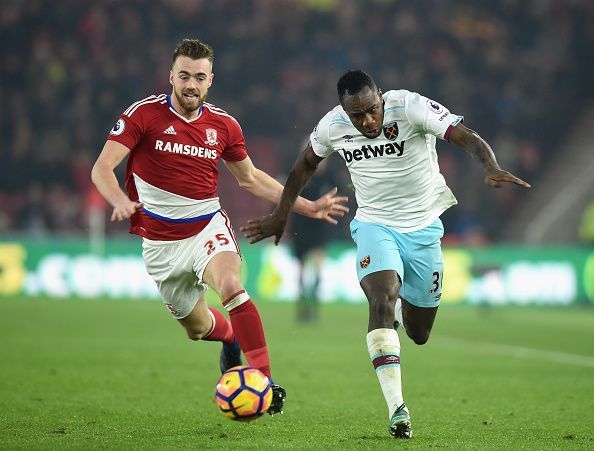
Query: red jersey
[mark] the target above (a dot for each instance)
(173, 165)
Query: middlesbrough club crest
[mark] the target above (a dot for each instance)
(211, 137)
(391, 131)
(365, 262)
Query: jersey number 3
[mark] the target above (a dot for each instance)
(436, 281)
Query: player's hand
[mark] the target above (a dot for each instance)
(329, 206)
(125, 209)
(270, 225)
(494, 177)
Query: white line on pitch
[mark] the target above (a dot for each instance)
(519, 351)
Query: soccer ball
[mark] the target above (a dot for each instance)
(243, 393)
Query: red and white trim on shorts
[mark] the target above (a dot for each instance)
(230, 229)
(235, 300)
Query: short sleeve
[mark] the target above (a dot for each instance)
(430, 116)
(127, 131)
(320, 138)
(235, 150)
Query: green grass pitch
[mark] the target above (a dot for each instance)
(121, 375)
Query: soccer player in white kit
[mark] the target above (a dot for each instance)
(173, 144)
(388, 143)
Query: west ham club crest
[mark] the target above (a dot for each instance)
(391, 131)
(365, 262)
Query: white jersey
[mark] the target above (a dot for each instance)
(396, 175)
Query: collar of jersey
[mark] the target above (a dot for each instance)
(179, 115)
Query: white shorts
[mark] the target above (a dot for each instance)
(177, 266)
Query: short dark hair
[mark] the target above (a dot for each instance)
(193, 48)
(352, 82)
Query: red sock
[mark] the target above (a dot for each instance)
(221, 328)
(248, 329)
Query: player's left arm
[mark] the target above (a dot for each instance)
(480, 150)
(262, 185)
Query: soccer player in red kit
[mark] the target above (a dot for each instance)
(174, 144)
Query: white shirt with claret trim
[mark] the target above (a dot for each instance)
(396, 175)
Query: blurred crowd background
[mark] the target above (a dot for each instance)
(518, 70)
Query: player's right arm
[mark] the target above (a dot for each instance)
(104, 178)
(274, 224)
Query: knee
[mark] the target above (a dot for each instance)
(419, 337)
(383, 303)
(381, 307)
(381, 296)
(197, 332)
(229, 286)
(421, 340)
(381, 311)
